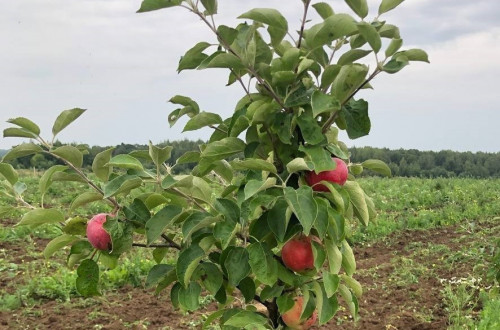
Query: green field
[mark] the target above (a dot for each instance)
(429, 253)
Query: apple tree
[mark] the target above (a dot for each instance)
(265, 216)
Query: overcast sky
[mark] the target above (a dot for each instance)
(102, 56)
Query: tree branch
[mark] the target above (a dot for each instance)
(89, 182)
(304, 18)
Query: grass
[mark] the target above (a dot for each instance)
(403, 204)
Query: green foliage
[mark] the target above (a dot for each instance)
(221, 217)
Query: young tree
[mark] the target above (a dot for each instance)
(230, 218)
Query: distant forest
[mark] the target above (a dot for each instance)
(402, 162)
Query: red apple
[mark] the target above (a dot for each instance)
(292, 316)
(297, 253)
(338, 176)
(97, 236)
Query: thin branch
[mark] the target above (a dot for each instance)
(191, 199)
(153, 245)
(171, 242)
(230, 50)
(247, 90)
(304, 18)
(83, 176)
(217, 129)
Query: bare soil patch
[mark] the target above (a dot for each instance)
(384, 304)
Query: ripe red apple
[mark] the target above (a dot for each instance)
(292, 316)
(338, 176)
(297, 253)
(97, 236)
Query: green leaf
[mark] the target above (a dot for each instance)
(262, 263)
(334, 256)
(75, 226)
(356, 116)
(370, 34)
(358, 201)
(387, 5)
(278, 25)
(321, 223)
(58, 243)
(326, 307)
(70, 154)
(195, 187)
(393, 47)
(352, 55)
(323, 9)
(322, 103)
(224, 232)
(187, 262)
(189, 157)
(228, 209)
(331, 283)
(201, 120)
(334, 27)
(193, 57)
(18, 132)
(303, 205)
(247, 288)
(244, 319)
(360, 7)
(350, 299)
(8, 172)
(278, 218)
(310, 128)
(159, 155)
(194, 222)
(321, 159)
(270, 292)
(348, 261)
(237, 265)
(40, 217)
(354, 285)
(221, 60)
(22, 150)
(46, 179)
(299, 164)
(253, 164)
(88, 278)
(255, 186)
(210, 6)
(389, 31)
(189, 296)
(329, 75)
(416, 55)
(159, 221)
(99, 164)
(26, 124)
(125, 161)
(157, 273)
(65, 118)
(396, 64)
(121, 184)
(285, 303)
(377, 166)
(149, 5)
(222, 149)
(211, 276)
(349, 78)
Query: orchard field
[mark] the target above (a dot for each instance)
(423, 265)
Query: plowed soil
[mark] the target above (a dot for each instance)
(387, 303)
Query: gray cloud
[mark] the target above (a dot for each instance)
(120, 65)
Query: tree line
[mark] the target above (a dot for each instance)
(403, 162)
